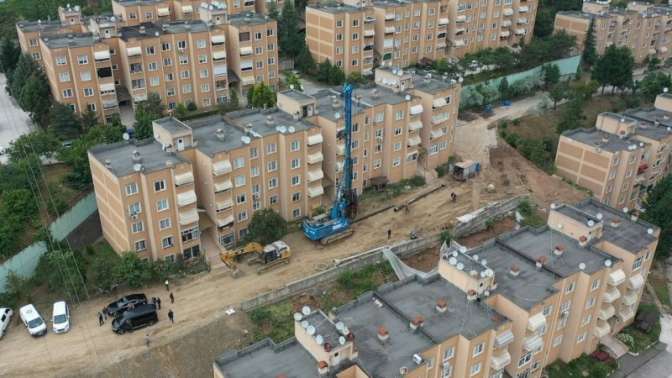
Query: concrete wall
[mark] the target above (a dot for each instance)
(490, 212)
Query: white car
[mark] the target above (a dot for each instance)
(5, 318)
(60, 317)
(33, 320)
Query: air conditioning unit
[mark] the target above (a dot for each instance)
(417, 359)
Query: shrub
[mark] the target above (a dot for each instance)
(445, 236)
(191, 106)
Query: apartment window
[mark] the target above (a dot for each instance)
(61, 60)
(83, 59)
(132, 16)
(595, 285)
(547, 310)
(565, 306)
(183, 59)
(448, 353)
(164, 223)
(67, 93)
(272, 166)
(149, 15)
(478, 349)
(238, 163)
(187, 88)
(167, 242)
(377, 163)
(85, 75)
(253, 152)
(525, 359)
(241, 198)
(185, 74)
(140, 246)
(137, 227)
(590, 303)
(64, 77)
(167, 62)
(557, 340)
(296, 163)
(181, 45)
(273, 183)
(396, 162)
(162, 205)
(201, 43)
(379, 117)
(296, 213)
(91, 107)
(296, 196)
(355, 36)
(398, 131)
(137, 83)
(570, 288)
(587, 319)
(271, 148)
(88, 92)
(475, 369)
(150, 50)
(271, 60)
(399, 115)
(637, 264)
(254, 171)
(270, 47)
(159, 185)
(205, 88)
(134, 208)
(131, 189)
(152, 67)
(581, 338)
(166, 46)
(273, 199)
(339, 23)
(296, 180)
(397, 146)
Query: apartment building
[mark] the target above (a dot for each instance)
(135, 12)
(79, 69)
(182, 61)
(622, 157)
(252, 49)
(343, 34)
(643, 28)
(29, 32)
(508, 307)
(224, 169)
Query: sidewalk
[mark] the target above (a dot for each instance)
(629, 364)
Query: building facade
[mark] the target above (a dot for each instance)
(508, 307)
(622, 157)
(29, 32)
(643, 28)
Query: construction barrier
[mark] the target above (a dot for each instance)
(478, 220)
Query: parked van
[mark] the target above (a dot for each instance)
(5, 318)
(138, 317)
(33, 320)
(60, 317)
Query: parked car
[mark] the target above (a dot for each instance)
(60, 317)
(138, 317)
(5, 318)
(33, 320)
(124, 303)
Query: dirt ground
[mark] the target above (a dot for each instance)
(202, 330)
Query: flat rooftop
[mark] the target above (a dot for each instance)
(576, 13)
(633, 236)
(48, 26)
(120, 155)
(69, 40)
(469, 319)
(248, 19)
(140, 2)
(153, 30)
(601, 139)
(204, 133)
(336, 8)
(535, 243)
(654, 123)
(172, 125)
(576, 214)
(298, 96)
(268, 122)
(324, 105)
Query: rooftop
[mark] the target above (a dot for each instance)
(298, 96)
(576, 214)
(48, 26)
(268, 122)
(70, 40)
(152, 30)
(248, 19)
(204, 133)
(173, 125)
(140, 2)
(119, 155)
(654, 123)
(336, 8)
(603, 140)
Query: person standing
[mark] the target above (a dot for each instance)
(172, 298)
(147, 340)
(167, 285)
(171, 316)
(389, 233)
(100, 319)
(158, 303)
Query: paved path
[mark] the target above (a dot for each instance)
(14, 122)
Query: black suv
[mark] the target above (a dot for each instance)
(124, 303)
(140, 316)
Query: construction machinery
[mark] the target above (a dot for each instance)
(268, 256)
(336, 224)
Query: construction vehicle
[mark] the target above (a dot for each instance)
(268, 256)
(336, 224)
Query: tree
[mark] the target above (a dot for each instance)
(88, 120)
(60, 269)
(487, 93)
(304, 61)
(9, 55)
(20, 203)
(572, 114)
(180, 110)
(133, 271)
(356, 78)
(293, 81)
(503, 89)
(614, 68)
(652, 63)
(324, 71)
(35, 97)
(146, 112)
(273, 10)
(64, 122)
(336, 75)
(551, 74)
(653, 84)
(557, 93)
(266, 227)
(658, 203)
(40, 143)
(589, 55)
(289, 38)
(25, 67)
(261, 96)
(191, 106)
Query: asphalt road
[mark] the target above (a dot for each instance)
(14, 122)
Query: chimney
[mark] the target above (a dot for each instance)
(558, 250)
(108, 163)
(583, 241)
(441, 305)
(322, 368)
(136, 157)
(471, 295)
(417, 322)
(541, 260)
(220, 134)
(383, 334)
(514, 271)
(634, 216)
(269, 120)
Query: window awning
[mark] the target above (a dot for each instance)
(443, 21)
(223, 205)
(247, 50)
(504, 338)
(101, 55)
(532, 343)
(222, 186)
(107, 87)
(315, 191)
(163, 12)
(186, 198)
(217, 39)
(188, 217)
(315, 139)
(439, 102)
(616, 277)
(536, 321)
(315, 175)
(416, 109)
(606, 313)
(220, 70)
(315, 158)
(414, 141)
(415, 125)
(217, 55)
(187, 9)
(225, 222)
(436, 134)
(389, 29)
(636, 281)
(134, 51)
(246, 65)
(184, 178)
(221, 167)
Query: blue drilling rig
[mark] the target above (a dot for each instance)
(336, 224)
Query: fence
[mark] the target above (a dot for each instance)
(533, 76)
(25, 262)
(478, 220)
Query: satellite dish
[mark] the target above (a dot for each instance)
(345, 330)
(607, 263)
(305, 310)
(297, 317)
(341, 340)
(126, 136)
(319, 339)
(304, 324)
(582, 266)
(340, 326)
(311, 330)
(460, 266)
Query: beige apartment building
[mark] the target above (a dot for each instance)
(79, 69)
(216, 172)
(622, 157)
(29, 32)
(343, 34)
(644, 28)
(135, 12)
(509, 307)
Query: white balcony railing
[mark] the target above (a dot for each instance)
(602, 329)
(629, 299)
(503, 339)
(611, 295)
(533, 342)
(315, 191)
(606, 313)
(186, 198)
(221, 167)
(616, 277)
(500, 361)
(188, 217)
(626, 313)
(636, 282)
(315, 158)
(415, 125)
(184, 178)
(536, 322)
(315, 139)
(314, 175)
(223, 186)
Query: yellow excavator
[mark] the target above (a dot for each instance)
(268, 256)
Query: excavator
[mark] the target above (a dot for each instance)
(268, 256)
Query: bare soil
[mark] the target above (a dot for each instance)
(504, 225)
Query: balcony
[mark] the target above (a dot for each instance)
(460, 30)
(415, 125)
(187, 9)
(134, 51)
(435, 134)
(505, 23)
(184, 178)
(224, 205)
(504, 34)
(521, 32)
(413, 141)
(503, 339)
(626, 313)
(439, 103)
(522, 20)
(389, 29)
(507, 12)
(523, 9)
(247, 50)
(314, 175)
(459, 43)
(500, 361)
(536, 322)
(223, 186)
(110, 105)
(186, 198)
(188, 217)
(606, 313)
(340, 149)
(601, 329)
(314, 139)
(218, 56)
(103, 55)
(315, 158)
(636, 282)
(611, 295)
(217, 40)
(389, 16)
(163, 12)
(461, 18)
(369, 19)
(630, 298)
(315, 191)
(439, 118)
(416, 109)
(388, 44)
(533, 342)
(225, 222)
(221, 167)
(616, 277)
(443, 21)
(369, 33)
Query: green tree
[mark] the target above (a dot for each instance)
(324, 71)
(652, 63)
(191, 106)
(589, 55)
(266, 227)
(571, 115)
(40, 142)
(88, 120)
(503, 88)
(35, 98)
(61, 270)
(488, 94)
(273, 10)
(181, 110)
(653, 84)
(614, 68)
(9, 55)
(133, 271)
(25, 68)
(146, 112)
(304, 61)
(356, 78)
(103, 272)
(551, 74)
(64, 122)
(658, 203)
(19, 203)
(336, 75)
(293, 81)
(557, 93)
(289, 38)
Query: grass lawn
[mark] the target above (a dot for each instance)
(584, 366)
(636, 339)
(276, 320)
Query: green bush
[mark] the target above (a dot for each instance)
(191, 106)
(445, 236)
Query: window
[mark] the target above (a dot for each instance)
(183, 59)
(637, 264)
(152, 67)
(60, 60)
(187, 88)
(557, 341)
(67, 93)
(205, 88)
(478, 349)
(396, 162)
(590, 303)
(165, 46)
(181, 45)
(295, 146)
(242, 216)
(272, 166)
(525, 359)
(162, 205)
(239, 181)
(296, 196)
(238, 163)
(140, 246)
(448, 353)
(91, 107)
(399, 115)
(475, 369)
(296, 180)
(131, 189)
(149, 50)
(296, 163)
(273, 183)
(296, 213)
(88, 92)
(167, 242)
(201, 43)
(565, 306)
(595, 285)
(253, 152)
(134, 208)
(254, 171)
(587, 319)
(570, 288)
(137, 227)
(581, 338)
(85, 75)
(398, 131)
(271, 148)
(273, 199)
(160, 185)
(377, 163)
(241, 198)
(83, 59)
(547, 310)
(64, 77)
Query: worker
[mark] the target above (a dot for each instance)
(171, 316)
(389, 233)
(172, 298)
(100, 319)
(453, 196)
(158, 302)
(167, 285)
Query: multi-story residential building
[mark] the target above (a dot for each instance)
(135, 12)
(252, 49)
(29, 32)
(532, 297)
(622, 157)
(643, 28)
(183, 61)
(343, 34)
(481, 24)
(79, 69)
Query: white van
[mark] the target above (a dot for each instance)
(60, 317)
(33, 320)
(5, 318)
